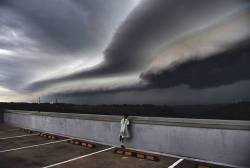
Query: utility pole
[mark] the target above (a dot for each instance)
(39, 101)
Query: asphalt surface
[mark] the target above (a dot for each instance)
(19, 149)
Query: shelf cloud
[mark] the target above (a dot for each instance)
(76, 50)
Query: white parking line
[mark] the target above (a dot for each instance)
(80, 157)
(15, 129)
(32, 146)
(19, 136)
(176, 163)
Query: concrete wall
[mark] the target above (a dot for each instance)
(225, 142)
(1, 115)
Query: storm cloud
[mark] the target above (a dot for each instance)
(223, 68)
(68, 26)
(39, 37)
(94, 48)
(145, 29)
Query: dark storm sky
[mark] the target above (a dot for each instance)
(115, 51)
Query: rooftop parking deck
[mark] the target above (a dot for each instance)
(20, 149)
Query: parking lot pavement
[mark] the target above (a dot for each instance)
(21, 142)
(109, 159)
(6, 128)
(43, 156)
(12, 133)
(39, 152)
(192, 164)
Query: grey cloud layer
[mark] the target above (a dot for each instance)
(147, 26)
(68, 25)
(55, 32)
(43, 35)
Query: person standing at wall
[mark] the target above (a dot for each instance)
(124, 132)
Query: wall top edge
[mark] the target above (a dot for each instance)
(179, 122)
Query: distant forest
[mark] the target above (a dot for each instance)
(236, 111)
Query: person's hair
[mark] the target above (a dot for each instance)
(125, 115)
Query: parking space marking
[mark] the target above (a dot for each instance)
(80, 157)
(176, 163)
(19, 136)
(10, 130)
(32, 146)
(71, 137)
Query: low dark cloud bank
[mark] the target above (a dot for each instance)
(227, 69)
(221, 69)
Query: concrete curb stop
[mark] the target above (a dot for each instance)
(139, 155)
(202, 166)
(49, 136)
(27, 130)
(81, 143)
